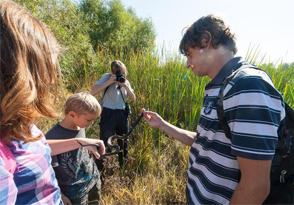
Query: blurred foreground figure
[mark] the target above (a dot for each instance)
(29, 69)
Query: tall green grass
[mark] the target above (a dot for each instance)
(156, 170)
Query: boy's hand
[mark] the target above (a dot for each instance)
(101, 149)
(95, 146)
(65, 200)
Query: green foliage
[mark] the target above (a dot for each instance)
(286, 66)
(156, 171)
(283, 80)
(66, 22)
(281, 74)
(158, 163)
(113, 27)
(105, 26)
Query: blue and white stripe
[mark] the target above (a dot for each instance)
(254, 109)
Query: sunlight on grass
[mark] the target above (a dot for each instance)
(156, 170)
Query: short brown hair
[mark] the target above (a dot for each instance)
(220, 33)
(82, 102)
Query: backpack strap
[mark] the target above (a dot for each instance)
(101, 101)
(220, 108)
(290, 118)
(9, 161)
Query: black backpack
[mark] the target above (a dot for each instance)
(282, 168)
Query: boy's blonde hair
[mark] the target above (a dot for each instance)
(82, 102)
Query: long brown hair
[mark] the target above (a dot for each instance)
(29, 71)
(117, 65)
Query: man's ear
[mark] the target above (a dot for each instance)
(206, 39)
(72, 114)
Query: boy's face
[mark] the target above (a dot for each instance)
(85, 119)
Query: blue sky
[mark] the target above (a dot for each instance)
(268, 24)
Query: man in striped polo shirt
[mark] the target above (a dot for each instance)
(223, 171)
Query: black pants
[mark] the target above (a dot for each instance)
(115, 122)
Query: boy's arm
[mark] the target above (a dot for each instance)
(65, 200)
(66, 145)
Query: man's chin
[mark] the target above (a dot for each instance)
(200, 74)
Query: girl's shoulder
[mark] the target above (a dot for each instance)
(106, 75)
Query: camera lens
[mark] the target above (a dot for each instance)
(120, 78)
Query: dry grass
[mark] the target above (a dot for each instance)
(156, 170)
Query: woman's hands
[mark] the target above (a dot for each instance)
(124, 85)
(111, 79)
(130, 91)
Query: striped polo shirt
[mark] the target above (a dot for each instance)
(253, 109)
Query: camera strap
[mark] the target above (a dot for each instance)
(122, 96)
(120, 93)
(104, 93)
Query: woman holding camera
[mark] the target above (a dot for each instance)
(114, 117)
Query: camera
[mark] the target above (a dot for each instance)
(128, 109)
(120, 77)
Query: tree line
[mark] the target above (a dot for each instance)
(91, 28)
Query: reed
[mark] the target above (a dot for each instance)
(156, 170)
